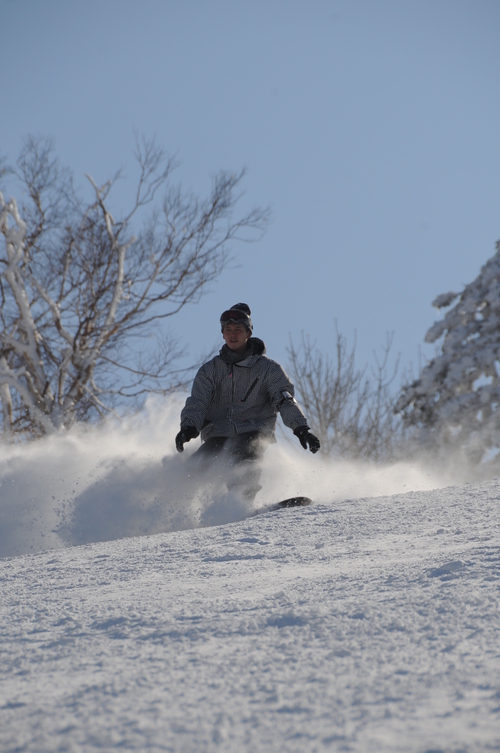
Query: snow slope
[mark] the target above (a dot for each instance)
(368, 624)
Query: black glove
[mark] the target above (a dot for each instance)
(306, 438)
(185, 435)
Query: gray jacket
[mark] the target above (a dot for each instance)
(233, 398)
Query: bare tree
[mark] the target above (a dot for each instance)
(350, 411)
(82, 297)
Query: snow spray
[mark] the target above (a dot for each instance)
(126, 479)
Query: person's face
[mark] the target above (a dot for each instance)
(236, 336)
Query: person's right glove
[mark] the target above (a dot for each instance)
(306, 438)
(186, 433)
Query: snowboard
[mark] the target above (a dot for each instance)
(285, 504)
(294, 502)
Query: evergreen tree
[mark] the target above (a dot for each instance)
(456, 398)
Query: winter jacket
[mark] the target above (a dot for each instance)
(233, 398)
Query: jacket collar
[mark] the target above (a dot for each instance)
(255, 349)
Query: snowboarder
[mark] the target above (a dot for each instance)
(234, 405)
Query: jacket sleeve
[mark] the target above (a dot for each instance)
(198, 403)
(282, 393)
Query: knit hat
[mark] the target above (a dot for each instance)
(238, 314)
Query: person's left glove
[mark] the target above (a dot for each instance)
(186, 433)
(307, 439)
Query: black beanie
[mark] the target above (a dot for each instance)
(245, 309)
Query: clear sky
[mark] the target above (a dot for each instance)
(371, 128)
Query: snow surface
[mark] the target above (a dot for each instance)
(362, 623)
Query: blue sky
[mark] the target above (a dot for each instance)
(371, 128)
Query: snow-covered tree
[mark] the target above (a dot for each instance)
(82, 296)
(456, 398)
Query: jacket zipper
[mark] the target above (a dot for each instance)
(231, 376)
(243, 399)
